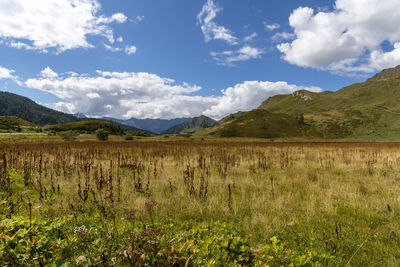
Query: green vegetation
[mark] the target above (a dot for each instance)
(86, 127)
(69, 135)
(62, 241)
(102, 134)
(15, 124)
(26, 109)
(199, 203)
(261, 124)
(192, 125)
(367, 110)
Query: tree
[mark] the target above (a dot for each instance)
(102, 134)
(68, 135)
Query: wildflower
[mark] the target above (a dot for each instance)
(81, 231)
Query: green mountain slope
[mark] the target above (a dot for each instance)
(362, 111)
(15, 124)
(24, 108)
(192, 125)
(368, 110)
(261, 124)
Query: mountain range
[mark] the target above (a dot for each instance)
(362, 111)
(152, 125)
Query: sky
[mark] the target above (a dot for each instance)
(178, 58)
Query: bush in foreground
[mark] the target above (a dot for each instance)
(102, 134)
(63, 241)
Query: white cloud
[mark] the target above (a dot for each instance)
(272, 27)
(146, 95)
(249, 95)
(228, 58)
(250, 37)
(346, 40)
(48, 73)
(61, 24)
(130, 49)
(8, 74)
(128, 94)
(210, 29)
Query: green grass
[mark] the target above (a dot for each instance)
(213, 202)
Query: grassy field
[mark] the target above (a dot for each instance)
(177, 202)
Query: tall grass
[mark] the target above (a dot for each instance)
(339, 199)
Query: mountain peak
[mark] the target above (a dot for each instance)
(390, 73)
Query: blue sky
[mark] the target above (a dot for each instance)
(179, 58)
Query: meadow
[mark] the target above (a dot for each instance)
(166, 202)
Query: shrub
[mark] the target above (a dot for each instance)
(68, 135)
(128, 137)
(102, 134)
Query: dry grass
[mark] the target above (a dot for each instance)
(329, 197)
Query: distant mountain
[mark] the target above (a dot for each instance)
(152, 125)
(192, 125)
(80, 115)
(26, 109)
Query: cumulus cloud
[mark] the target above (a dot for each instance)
(346, 40)
(249, 95)
(61, 25)
(146, 95)
(118, 94)
(8, 74)
(210, 29)
(228, 58)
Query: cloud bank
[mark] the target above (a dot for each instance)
(147, 95)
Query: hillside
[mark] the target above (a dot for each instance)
(192, 125)
(152, 125)
(369, 110)
(260, 123)
(26, 109)
(15, 124)
(90, 126)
